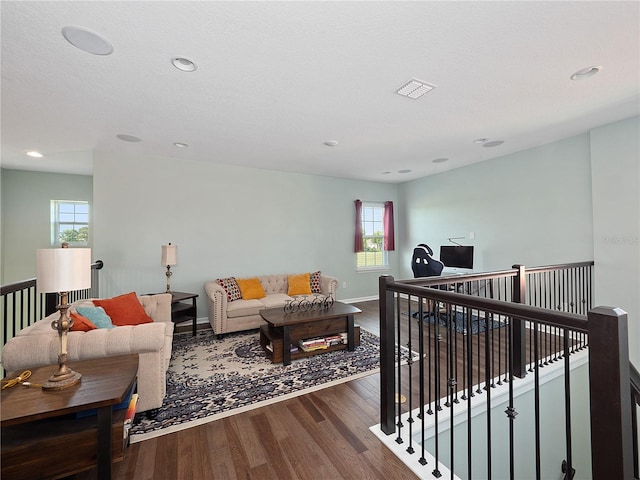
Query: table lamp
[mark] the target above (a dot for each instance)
(169, 258)
(62, 270)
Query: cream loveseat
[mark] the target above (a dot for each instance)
(38, 345)
(227, 315)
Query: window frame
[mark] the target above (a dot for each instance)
(56, 222)
(378, 217)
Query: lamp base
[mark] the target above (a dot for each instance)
(60, 381)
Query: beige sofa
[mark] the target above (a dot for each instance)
(38, 345)
(232, 316)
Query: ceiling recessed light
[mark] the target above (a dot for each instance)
(480, 140)
(180, 144)
(415, 88)
(439, 160)
(406, 170)
(128, 138)
(586, 72)
(87, 40)
(183, 64)
(35, 154)
(331, 143)
(493, 143)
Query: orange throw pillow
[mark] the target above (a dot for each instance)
(80, 323)
(299, 284)
(124, 310)
(250, 288)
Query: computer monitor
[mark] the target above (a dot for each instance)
(457, 256)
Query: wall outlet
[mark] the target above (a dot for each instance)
(472, 235)
(344, 284)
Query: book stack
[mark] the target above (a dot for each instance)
(129, 416)
(312, 344)
(334, 340)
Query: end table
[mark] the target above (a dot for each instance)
(182, 310)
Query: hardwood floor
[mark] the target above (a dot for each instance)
(320, 435)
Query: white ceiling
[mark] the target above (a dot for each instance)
(275, 80)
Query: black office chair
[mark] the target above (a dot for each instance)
(423, 264)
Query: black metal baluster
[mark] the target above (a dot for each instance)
(432, 310)
(437, 339)
(568, 465)
(410, 365)
(511, 411)
(469, 367)
(422, 460)
(399, 373)
(536, 393)
(487, 374)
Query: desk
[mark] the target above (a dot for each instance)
(105, 382)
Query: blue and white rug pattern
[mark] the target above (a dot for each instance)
(210, 379)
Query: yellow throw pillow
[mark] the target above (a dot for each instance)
(250, 288)
(299, 284)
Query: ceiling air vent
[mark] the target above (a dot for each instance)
(415, 88)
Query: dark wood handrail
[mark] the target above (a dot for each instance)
(499, 307)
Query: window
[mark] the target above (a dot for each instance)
(374, 255)
(69, 222)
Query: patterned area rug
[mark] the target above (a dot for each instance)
(209, 379)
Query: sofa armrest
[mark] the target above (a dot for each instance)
(217, 305)
(158, 307)
(329, 285)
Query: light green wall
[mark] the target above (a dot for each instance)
(226, 221)
(615, 163)
(26, 215)
(536, 207)
(532, 207)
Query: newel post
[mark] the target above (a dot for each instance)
(610, 394)
(518, 327)
(387, 346)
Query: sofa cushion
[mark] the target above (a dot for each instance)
(80, 323)
(251, 288)
(275, 300)
(242, 308)
(314, 279)
(299, 284)
(96, 315)
(124, 309)
(230, 287)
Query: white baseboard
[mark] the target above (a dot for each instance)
(359, 299)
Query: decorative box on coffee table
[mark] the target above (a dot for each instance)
(284, 330)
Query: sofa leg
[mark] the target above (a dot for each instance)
(220, 335)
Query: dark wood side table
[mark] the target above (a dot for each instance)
(182, 310)
(32, 419)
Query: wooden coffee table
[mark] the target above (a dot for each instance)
(284, 329)
(40, 436)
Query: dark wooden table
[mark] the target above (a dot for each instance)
(183, 308)
(105, 382)
(286, 328)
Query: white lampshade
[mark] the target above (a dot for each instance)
(63, 269)
(169, 255)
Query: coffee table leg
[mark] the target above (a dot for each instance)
(286, 347)
(351, 342)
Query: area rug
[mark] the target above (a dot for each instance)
(209, 379)
(459, 322)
